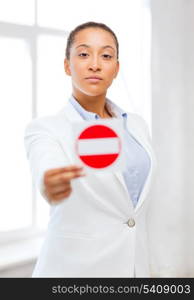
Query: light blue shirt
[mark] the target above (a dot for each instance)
(137, 159)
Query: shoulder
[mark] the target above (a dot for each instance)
(139, 123)
(47, 124)
(136, 119)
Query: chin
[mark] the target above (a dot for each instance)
(93, 93)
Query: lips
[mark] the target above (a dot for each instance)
(94, 79)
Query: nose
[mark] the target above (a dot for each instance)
(94, 64)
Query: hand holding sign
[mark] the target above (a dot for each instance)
(98, 145)
(57, 182)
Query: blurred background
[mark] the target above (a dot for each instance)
(155, 80)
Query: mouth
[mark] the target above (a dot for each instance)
(93, 79)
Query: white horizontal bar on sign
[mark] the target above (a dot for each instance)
(98, 146)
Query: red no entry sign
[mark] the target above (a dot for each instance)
(98, 146)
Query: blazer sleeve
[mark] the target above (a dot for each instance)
(43, 152)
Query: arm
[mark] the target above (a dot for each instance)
(49, 166)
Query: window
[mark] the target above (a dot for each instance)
(15, 95)
(33, 83)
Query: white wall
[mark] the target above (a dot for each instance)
(172, 198)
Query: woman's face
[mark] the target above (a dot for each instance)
(93, 54)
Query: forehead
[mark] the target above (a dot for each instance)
(94, 37)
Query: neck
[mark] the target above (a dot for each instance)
(95, 104)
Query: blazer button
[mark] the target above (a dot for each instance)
(131, 222)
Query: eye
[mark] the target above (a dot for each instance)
(83, 54)
(107, 56)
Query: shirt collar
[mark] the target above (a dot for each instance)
(87, 115)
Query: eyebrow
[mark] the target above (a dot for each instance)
(87, 46)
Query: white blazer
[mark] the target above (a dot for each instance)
(96, 231)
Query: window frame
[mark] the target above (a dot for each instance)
(30, 34)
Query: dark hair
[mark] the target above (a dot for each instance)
(80, 27)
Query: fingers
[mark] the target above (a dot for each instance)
(60, 170)
(66, 176)
(59, 188)
(58, 181)
(62, 177)
(60, 195)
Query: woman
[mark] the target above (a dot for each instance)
(97, 224)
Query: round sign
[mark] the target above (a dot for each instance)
(98, 146)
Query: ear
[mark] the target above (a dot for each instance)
(117, 69)
(67, 67)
